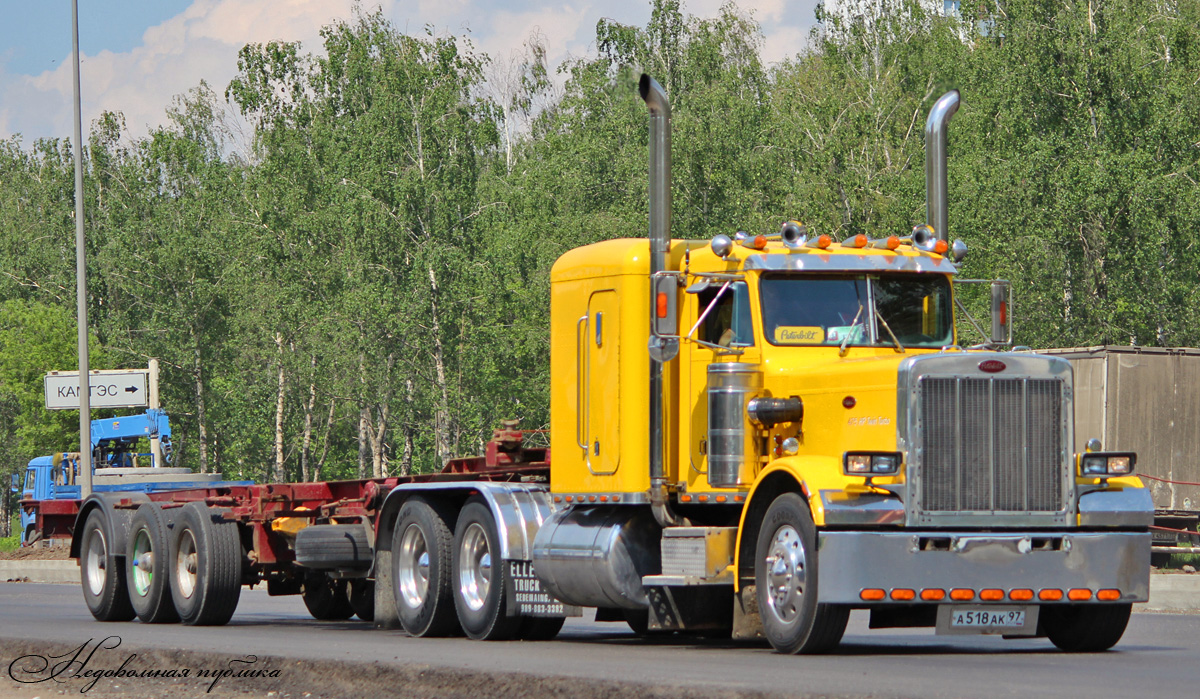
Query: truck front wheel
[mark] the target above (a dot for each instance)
(785, 575)
(480, 578)
(1078, 628)
(102, 576)
(421, 553)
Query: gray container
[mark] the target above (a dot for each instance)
(1142, 399)
(730, 387)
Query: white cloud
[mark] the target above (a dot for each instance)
(202, 43)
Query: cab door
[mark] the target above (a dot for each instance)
(602, 378)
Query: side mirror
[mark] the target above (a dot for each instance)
(1001, 319)
(16, 483)
(664, 316)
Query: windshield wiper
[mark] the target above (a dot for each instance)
(899, 347)
(850, 333)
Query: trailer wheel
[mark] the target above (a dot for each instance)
(785, 575)
(206, 566)
(362, 598)
(540, 628)
(148, 565)
(327, 599)
(1078, 628)
(421, 565)
(102, 576)
(480, 577)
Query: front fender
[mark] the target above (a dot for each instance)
(807, 475)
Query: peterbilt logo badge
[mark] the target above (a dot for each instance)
(992, 366)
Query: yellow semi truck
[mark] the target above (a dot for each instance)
(752, 436)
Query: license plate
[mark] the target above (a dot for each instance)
(986, 619)
(976, 618)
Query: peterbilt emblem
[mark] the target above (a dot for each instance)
(992, 366)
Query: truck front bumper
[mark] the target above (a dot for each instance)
(853, 561)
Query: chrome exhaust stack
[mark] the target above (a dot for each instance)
(937, 204)
(660, 240)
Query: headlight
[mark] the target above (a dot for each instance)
(871, 463)
(1105, 464)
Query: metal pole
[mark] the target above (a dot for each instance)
(85, 402)
(155, 442)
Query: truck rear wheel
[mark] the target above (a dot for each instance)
(785, 575)
(1078, 628)
(206, 566)
(421, 566)
(102, 576)
(327, 599)
(480, 578)
(148, 564)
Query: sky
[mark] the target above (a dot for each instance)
(136, 55)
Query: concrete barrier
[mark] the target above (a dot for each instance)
(1173, 593)
(40, 571)
(1168, 592)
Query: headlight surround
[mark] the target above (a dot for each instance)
(1106, 464)
(871, 463)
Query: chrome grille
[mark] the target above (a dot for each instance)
(990, 445)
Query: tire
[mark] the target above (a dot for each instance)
(206, 566)
(540, 628)
(101, 574)
(480, 577)
(148, 565)
(362, 598)
(785, 573)
(326, 599)
(334, 546)
(1092, 628)
(421, 570)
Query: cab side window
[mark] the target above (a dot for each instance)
(728, 321)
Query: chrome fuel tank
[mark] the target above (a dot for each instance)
(596, 556)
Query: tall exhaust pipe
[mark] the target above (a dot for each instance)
(937, 203)
(660, 240)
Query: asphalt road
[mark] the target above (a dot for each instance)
(1158, 657)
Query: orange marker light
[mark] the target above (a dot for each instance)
(962, 594)
(871, 594)
(991, 595)
(685, 498)
(902, 594)
(760, 242)
(1021, 595)
(1079, 594)
(857, 241)
(662, 302)
(1050, 595)
(940, 247)
(822, 241)
(1108, 595)
(933, 595)
(893, 242)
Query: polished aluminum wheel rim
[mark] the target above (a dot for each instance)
(185, 564)
(97, 561)
(414, 566)
(474, 567)
(143, 563)
(786, 574)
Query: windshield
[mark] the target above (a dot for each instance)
(858, 310)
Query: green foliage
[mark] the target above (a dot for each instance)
(366, 292)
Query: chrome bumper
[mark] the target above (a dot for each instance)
(853, 561)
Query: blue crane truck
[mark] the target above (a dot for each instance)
(117, 466)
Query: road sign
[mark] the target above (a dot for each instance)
(115, 388)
